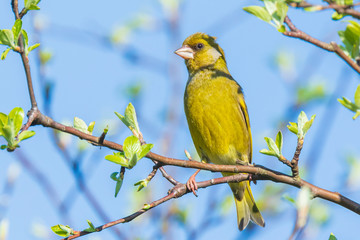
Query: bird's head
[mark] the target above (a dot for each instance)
(201, 51)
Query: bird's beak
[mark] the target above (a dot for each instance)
(185, 52)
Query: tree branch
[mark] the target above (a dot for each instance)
(342, 9)
(331, 47)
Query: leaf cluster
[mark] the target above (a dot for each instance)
(10, 126)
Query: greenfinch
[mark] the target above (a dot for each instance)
(218, 118)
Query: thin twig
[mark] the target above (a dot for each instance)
(331, 47)
(342, 9)
(295, 160)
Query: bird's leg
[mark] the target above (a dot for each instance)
(251, 178)
(191, 183)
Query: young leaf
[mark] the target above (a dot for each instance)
(16, 29)
(293, 127)
(91, 227)
(288, 198)
(129, 118)
(144, 150)
(267, 152)
(357, 96)
(332, 237)
(4, 54)
(133, 161)
(272, 146)
(90, 128)
(337, 16)
(33, 47)
(279, 141)
(7, 38)
(118, 186)
(15, 119)
(308, 124)
(80, 125)
(62, 230)
(25, 135)
(142, 184)
(259, 12)
(118, 158)
(31, 4)
(131, 146)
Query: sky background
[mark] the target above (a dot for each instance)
(91, 77)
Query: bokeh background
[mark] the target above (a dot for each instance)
(96, 57)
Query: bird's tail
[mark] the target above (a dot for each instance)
(245, 205)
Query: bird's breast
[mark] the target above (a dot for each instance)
(214, 118)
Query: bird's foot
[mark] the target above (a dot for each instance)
(251, 179)
(191, 185)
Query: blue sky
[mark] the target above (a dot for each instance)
(90, 78)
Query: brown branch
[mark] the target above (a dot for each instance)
(32, 114)
(342, 9)
(331, 47)
(261, 172)
(295, 160)
(180, 189)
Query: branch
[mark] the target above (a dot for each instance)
(177, 191)
(342, 9)
(259, 172)
(34, 109)
(331, 47)
(295, 160)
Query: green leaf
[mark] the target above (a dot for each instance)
(33, 47)
(90, 128)
(129, 119)
(272, 146)
(131, 146)
(62, 230)
(144, 150)
(357, 114)
(15, 119)
(7, 38)
(80, 125)
(25, 135)
(113, 176)
(267, 152)
(281, 10)
(337, 16)
(26, 41)
(118, 186)
(308, 124)
(270, 7)
(293, 127)
(91, 227)
(31, 4)
(313, 8)
(279, 141)
(332, 237)
(118, 180)
(3, 119)
(142, 184)
(133, 161)
(259, 12)
(118, 158)
(4, 54)
(16, 29)
(357, 96)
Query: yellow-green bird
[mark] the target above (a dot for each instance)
(218, 118)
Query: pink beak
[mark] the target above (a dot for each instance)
(185, 52)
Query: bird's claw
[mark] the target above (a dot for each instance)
(251, 179)
(191, 185)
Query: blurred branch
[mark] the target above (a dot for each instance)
(342, 9)
(43, 182)
(331, 47)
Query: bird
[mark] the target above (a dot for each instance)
(218, 118)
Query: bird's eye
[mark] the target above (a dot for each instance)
(200, 46)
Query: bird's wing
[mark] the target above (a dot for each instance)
(245, 114)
